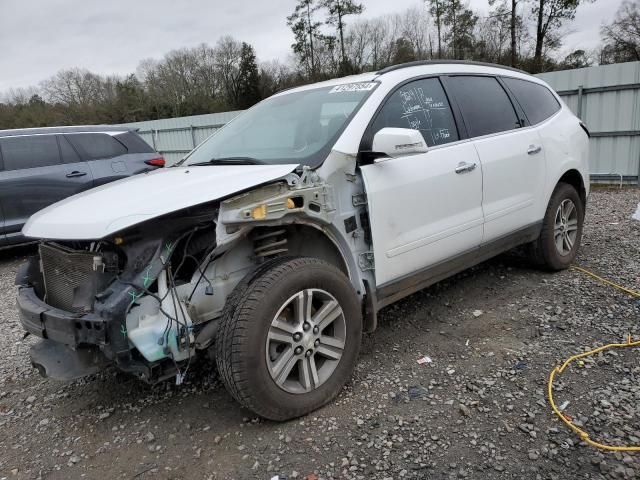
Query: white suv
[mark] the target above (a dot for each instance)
(275, 242)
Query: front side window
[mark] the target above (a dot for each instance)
(536, 100)
(298, 127)
(94, 146)
(484, 104)
(29, 152)
(420, 105)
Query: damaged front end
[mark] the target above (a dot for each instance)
(121, 301)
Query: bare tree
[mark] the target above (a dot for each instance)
(551, 15)
(622, 36)
(436, 8)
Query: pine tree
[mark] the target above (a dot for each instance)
(248, 78)
(306, 32)
(338, 9)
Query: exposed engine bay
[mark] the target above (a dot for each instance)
(149, 298)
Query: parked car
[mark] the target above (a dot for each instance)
(274, 244)
(40, 166)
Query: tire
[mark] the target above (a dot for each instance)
(545, 251)
(247, 354)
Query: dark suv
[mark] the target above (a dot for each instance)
(40, 166)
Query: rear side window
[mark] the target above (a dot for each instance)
(485, 106)
(134, 143)
(536, 100)
(420, 105)
(93, 146)
(29, 151)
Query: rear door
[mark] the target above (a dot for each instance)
(423, 208)
(38, 171)
(112, 155)
(511, 153)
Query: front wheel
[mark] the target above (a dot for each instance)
(291, 340)
(561, 233)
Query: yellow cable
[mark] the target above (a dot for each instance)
(558, 370)
(584, 435)
(633, 293)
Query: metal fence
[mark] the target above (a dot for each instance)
(606, 97)
(175, 137)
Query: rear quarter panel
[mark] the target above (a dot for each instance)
(111, 169)
(566, 148)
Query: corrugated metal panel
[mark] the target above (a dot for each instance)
(175, 137)
(186, 122)
(612, 113)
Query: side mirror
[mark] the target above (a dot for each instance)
(398, 142)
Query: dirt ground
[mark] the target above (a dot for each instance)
(479, 410)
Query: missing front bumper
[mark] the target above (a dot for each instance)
(60, 362)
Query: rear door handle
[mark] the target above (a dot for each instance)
(464, 167)
(533, 149)
(76, 173)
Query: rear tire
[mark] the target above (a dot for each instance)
(290, 342)
(559, 240)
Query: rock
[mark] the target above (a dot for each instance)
(465, 410)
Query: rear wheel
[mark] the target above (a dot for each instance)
(291, 341)
(561, 233)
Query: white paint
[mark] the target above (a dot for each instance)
(115, 206)
(398, 142)
(421, 210)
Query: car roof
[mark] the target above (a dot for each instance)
(408, 70)
(74, 129)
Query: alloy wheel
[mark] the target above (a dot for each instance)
(305, 341)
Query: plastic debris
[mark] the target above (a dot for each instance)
(477, 313)
(520, 366)
(425, 359)
(564, 405)
(417, 392)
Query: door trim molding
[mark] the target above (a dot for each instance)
(395, 290)
(424, 241)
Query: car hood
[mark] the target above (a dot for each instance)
(99, 212)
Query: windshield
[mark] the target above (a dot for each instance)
(298, 127)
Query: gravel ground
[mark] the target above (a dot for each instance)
(477, 411)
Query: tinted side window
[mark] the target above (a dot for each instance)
(93, 146)
(29, 152)
(69, 155)
(536, 100)
(485, 106)
(134, 143)
(420, 105)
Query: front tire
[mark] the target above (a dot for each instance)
(291, 341)
(558, 243)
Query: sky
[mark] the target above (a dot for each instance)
(40, 37)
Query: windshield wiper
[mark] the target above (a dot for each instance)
(230, 161)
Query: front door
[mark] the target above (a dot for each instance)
(423, 208)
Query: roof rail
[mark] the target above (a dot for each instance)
(418, 63)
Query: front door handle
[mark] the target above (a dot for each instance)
(76, 173)
(464, 167)
(533, 149)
